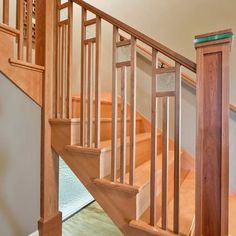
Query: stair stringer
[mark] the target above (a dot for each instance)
(26, 76)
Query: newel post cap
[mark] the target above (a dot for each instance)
(223, 36)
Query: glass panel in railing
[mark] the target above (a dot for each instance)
(123, 53)
(166, 82)
(63, 1)
(63, 14)
(91, 31)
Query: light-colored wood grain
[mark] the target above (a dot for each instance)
(165, 160)
(98, 83)
(123, 124)
(114, 105)
(153, 189)
(6, 12)
(29, 31)
(83, 79)
(177, 146)
(90, 98)
(50, 222)
(133, 88)
(20, 26)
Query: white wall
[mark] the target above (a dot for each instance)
(20, 121)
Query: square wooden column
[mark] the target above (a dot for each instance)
(212, 154)
(50, 223)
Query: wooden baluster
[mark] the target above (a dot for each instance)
(132, 110)
(69, 61)
(83, 80)
(29, 31)
(97, 83)
(165, 156)
(123, 125)
(59, 71)
(63, 71)
(177, 147)
(153, 190)
(20, 27)
(6, 12)
(90, 98)
(114, 107)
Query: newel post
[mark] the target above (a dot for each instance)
(212, 154)
(50, 223)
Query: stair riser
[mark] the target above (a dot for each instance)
(68, 133)
(106, 109)
(144, 196)
(143, 154)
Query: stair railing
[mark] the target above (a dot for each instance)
(90, 90)
(90, 61)
(25, 28)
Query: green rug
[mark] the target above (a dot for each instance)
(90, 221)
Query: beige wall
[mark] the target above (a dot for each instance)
(20, 121)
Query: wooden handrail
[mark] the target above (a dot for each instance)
(140, 36)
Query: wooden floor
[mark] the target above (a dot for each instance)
(90, 221)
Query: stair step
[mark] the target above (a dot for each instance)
(187, 210)
(187, 205)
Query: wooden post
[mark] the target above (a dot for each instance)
(212, 151)
(50, 223)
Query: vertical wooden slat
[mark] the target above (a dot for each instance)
(97, 83)
(132, 110)
(123, 125)
(83, 85)
(63, 71)
(69, 61)
(29, 31)
(165, 148)
(59, 70)
(153, 190)
(177, 136)
(6, 12)
(20, 27)
(114, 106)
(90, 97)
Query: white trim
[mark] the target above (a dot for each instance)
(36, 233)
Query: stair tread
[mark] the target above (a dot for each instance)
(77, 120)
(187, 205)
(232, 214)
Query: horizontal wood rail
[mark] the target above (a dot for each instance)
(140, 36)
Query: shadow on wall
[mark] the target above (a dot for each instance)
(5, 209)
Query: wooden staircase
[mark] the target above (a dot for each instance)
(143, 179)
(128, 206)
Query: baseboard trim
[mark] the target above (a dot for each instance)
(51, 227)
(36, 233)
